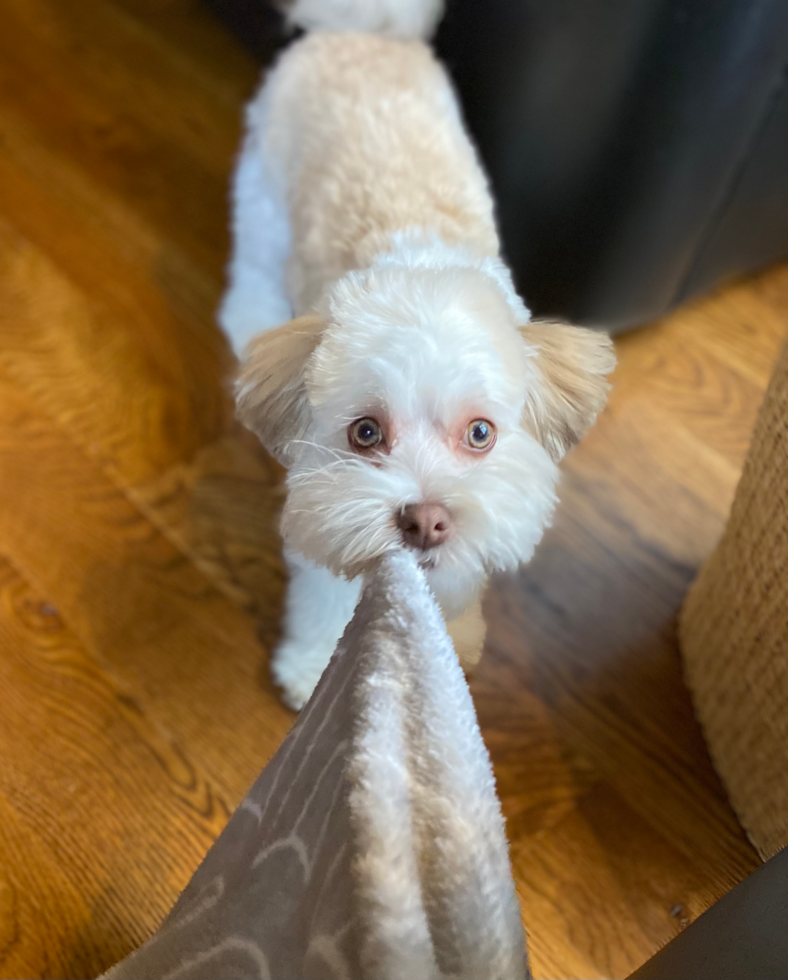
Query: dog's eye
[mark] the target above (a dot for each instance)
(480, 434)
(365, 433)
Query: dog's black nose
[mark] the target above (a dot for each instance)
(425, 526)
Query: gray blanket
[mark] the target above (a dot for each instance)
(372, 845)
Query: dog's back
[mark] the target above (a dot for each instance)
(364, 138)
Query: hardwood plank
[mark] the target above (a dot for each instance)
(101, 240)
(742, 326)
(78, 355)
(540, 778)
(136, 601)
(99, 293)
(172, 447)
(40, 909)
(222, 509)
(673, 376)
(187, 32)
(634, 889)
(110, 814)
(113, 121)
(174, 99)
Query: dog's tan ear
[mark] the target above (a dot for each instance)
(270, 391)
(573, 364)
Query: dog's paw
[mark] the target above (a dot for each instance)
(296, 671)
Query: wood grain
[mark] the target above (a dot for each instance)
(85, 773)
(140, 573)
(134, 599)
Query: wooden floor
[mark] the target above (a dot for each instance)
(140, 579)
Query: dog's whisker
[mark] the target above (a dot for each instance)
(322, 447)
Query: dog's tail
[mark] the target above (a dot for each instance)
(393, 18)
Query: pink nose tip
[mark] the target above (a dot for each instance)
(425, 525)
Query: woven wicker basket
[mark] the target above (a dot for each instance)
(734, 633)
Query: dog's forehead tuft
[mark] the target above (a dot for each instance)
(419, 340)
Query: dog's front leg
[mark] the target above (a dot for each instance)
(318, 607)
(467, 632)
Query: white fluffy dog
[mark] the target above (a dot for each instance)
(412, 400)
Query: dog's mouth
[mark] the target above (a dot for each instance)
(427, 560)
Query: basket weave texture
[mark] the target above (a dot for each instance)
(733, 632)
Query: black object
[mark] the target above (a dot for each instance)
(257, 24)
(638, 149)
(743, 937)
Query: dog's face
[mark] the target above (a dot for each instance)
(414, 412)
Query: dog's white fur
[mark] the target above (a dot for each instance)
(359, 189)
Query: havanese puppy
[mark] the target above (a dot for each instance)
(412, 399)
